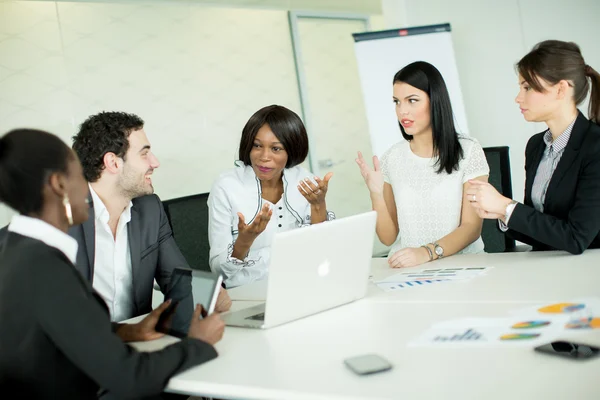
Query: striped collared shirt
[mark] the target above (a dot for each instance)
(552, 155)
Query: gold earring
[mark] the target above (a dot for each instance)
(68, 210)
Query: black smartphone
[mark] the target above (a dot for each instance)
(575, 351)
(367, 364)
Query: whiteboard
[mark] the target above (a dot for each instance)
(381, 54)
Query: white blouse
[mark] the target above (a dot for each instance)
(44, 232)
(239, 190)
(429, 204)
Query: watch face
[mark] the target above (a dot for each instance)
(439, 251)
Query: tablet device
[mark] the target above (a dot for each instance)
(205, 289)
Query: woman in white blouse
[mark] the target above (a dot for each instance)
(418, 189)
(268, 192)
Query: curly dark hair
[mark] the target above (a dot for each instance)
(106, 132)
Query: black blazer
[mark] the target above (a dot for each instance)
(571, 217)
(154, 254)
(56, 339)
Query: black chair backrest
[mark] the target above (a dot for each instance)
(188, 217)
(498, 159)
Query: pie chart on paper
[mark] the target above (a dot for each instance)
(519, 336)
(594, 323)
(530, 324)
(562, 308)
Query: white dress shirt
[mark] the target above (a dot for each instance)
(113, 278)
(37, 229)
(239, 190)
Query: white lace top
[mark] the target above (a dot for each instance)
(429, 204)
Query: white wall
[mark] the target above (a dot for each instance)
(197, 72)
(489, 38)
(194, 73)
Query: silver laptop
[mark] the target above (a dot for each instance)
(313, 269)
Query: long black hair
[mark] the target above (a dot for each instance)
(446, 146)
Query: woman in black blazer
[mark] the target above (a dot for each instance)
(561, 210)
(56, 338)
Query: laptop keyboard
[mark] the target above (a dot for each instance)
(257, 317)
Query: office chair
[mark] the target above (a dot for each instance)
(498, 159)
(188, 217)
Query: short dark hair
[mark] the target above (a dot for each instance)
(27, 159)
(446, 146)
(286, 126)
(106, 132)
(555, 60)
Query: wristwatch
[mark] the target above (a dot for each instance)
(439, 250)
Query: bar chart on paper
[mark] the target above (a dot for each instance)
(469, 334)
(418, 278)
(391, 286)
(476, 332)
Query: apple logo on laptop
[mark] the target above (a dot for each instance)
(323, 268)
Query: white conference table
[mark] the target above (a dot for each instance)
(304, 359)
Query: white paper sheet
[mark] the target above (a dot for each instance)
(448, 273)
(481, 332)
(579, 313)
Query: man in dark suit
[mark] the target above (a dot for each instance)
(127, 242)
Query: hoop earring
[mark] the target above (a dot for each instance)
(68, 210)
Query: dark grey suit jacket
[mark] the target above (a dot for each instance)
(154, 255)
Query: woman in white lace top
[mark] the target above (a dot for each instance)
(418, 188)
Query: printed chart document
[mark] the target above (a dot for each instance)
(403, 280)
(530, 326)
